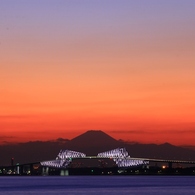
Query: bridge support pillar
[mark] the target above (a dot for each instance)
(170, 165)
(45, 171)
(64, 172)
(18, 169)
(21, 170)
(31, 169)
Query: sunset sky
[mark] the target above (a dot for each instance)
(126, 67)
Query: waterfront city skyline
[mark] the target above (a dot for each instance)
(124, 67)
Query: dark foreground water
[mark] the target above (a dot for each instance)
(146, 185)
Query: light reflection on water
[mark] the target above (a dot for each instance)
(147, 185)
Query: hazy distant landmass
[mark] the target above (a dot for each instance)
(91, 142)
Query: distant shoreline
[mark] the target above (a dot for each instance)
(112, 171)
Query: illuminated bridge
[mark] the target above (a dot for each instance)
(64, 162)
(120, 156)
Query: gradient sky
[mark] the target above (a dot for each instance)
(123, 66)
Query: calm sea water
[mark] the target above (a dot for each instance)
(146, 185)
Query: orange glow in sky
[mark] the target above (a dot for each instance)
(127, 69)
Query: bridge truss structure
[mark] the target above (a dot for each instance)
(63, 159)
(119, 155)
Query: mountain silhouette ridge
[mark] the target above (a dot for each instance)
(91, 143)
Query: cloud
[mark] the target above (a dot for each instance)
(5, 140)
(15, 116)
(2, 138)
(62, 140)
(187, 131)
(131, 132)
